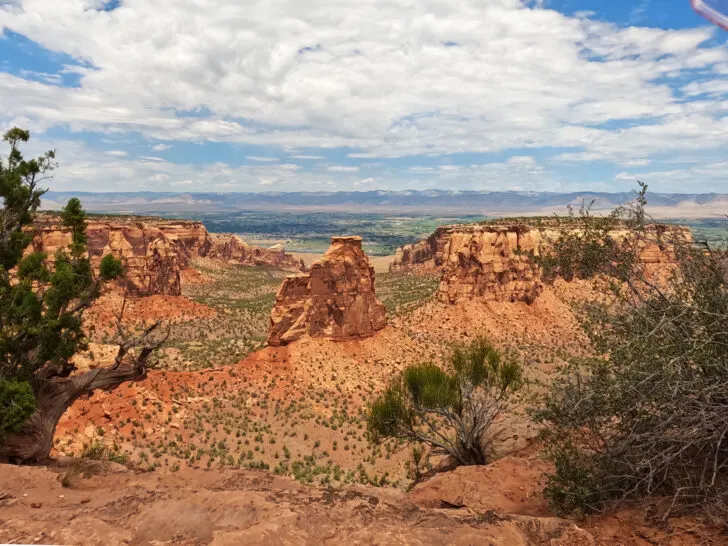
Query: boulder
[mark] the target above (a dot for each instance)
(334, 300)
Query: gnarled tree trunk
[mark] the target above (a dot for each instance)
(53, 397)
(55, 390)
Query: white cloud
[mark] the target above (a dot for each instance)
(391, 79)
(712, 174)
(117, 153)
(521, 160)
(262, 159)
(343, 168)
(712, 88)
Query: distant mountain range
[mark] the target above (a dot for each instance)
(505, 203)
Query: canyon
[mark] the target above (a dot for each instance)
(154, 252)
(261, 443)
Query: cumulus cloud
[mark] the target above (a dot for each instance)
(382, 79)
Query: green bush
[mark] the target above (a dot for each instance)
(448, 411)
(17, 403)
(648, 417)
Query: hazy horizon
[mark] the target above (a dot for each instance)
(503, 203)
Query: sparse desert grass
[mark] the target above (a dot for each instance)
(404, 292)
(243, 298)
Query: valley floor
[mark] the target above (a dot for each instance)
(299, 410)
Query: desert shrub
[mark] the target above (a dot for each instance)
(98, 451)
(648, 417)
(449, 410)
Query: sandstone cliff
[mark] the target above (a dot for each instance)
(232, 249)
(151, 260)
(425, 255)
(335, 299)
(487, 261)
(153, 252)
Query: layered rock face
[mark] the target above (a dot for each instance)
(426, 255)
(488, 261)
(154, 252)
(233, 249)
(151, 260)
(334, 300)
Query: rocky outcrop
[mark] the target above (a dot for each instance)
(153, 252)
(428, 255)
(506, 485)
(151, 260)
(232, 507)
(486, 262)
(490, 261)
(425, 255)
(334, 300)
(232, 249)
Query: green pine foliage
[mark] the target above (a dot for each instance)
(40, 306)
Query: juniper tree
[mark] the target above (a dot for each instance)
(449, 411)
(41, 308)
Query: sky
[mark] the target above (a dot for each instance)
(326, 95)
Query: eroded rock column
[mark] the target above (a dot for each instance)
(334, 300)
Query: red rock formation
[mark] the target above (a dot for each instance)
(191, 238)
(231, 248)
(153, 252)
(486, 261)
(423, 256)
(335, 299)
(151, 260)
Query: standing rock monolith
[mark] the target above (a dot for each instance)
(334, 300)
